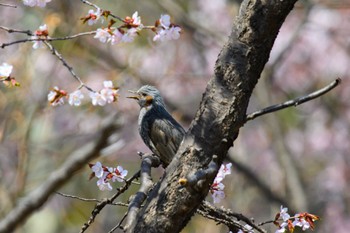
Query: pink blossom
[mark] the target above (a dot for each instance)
(94, 16)
(97, 99)
(130, 35)
(98, 170)
(301, 223)
(166, 30)
(116, 37)
(282, 228)
(164, 21)
(284, 213)
(119, 174)
(218, 196)
(102, 34)
(103, 185)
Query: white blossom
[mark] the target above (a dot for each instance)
(5, 70)
(75, 98)
(98, 170)
(39, 3)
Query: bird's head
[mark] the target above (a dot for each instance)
(147, 96)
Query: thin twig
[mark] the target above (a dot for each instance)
(3, 45)
(295, 102)
(227, 215)
(10, 30)
(70, 69)
(105, 202)
(119, 224)
(91, 199)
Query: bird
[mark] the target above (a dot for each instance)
(161, 133)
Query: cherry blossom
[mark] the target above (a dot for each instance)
(42, 33)
(102, 34)
(284, 213)
(136, 19)
(93, 16)
(217, 187)
(164, 21)
(165, 30)
(224, 170)
(107, 174)
(119, 174)
(39, 3)
(5, 70)
(55, 96)
(107, 95)
(97, 99)
(116, 37)
(75, 98)
(218, 195)
(97, 169)
(103, 185)
(129, 35)
(300, 222)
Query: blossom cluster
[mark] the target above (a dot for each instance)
(106, 95)
(164, 29)
(303, 220)
(5, 75)
(217, 188)
(107, 174)
(39, 3)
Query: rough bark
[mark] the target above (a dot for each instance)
(221, 114)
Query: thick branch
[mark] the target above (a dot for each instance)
(148, 161)
(222, 112)
(74, 162)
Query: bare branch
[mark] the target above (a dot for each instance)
(91, 199)
(119, 225)
(226, 216)
(148, 161)
(3, 45)
(74, 162)
(294, 102)
(108, 201)
(70, 69)
(10, 30)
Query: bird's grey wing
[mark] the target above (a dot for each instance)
(166, 138)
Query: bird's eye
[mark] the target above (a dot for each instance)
(144, 94)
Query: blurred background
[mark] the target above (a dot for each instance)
(298, 157)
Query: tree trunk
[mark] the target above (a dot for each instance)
(221, 114)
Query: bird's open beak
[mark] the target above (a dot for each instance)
(136, 97)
